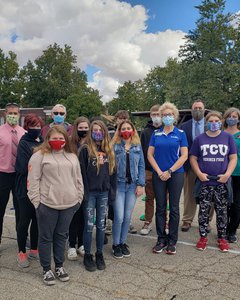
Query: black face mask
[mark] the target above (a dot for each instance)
(34, 133)
(82, 133)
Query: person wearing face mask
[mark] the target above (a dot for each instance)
(192, 128)
(97, 161)
(10, 135)
(231, 124)
(78, 137)
(167, 152)
(130, 183)
(58, 115)
(31, 139)
(55, 188)
(146, 134)
(213, 157)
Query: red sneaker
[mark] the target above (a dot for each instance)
(202, 243)
(223, 245)
(33, 254)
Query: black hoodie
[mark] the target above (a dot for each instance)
(145, 139)
(24, 153)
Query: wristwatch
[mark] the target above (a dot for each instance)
(170, 171)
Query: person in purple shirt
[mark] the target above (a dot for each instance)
(213, 157)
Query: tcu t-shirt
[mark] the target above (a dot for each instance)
(213, 153)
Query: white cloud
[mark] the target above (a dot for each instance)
(107, 34)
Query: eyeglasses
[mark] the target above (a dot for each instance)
(167, 115)
(58, 113)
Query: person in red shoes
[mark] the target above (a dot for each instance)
(213, 157)
(31, 139)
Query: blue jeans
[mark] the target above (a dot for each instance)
(98, 200)
(123, 208)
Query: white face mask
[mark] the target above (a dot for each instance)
(156, 120)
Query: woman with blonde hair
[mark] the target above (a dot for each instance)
(130, 183)
(97, 162)
(55, 189)
(231, 124)
(167, 153)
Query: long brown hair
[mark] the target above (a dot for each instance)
(117, 138)
(46, 148)
(91, 145)
(74, 139)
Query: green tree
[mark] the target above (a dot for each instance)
(86, 102)
(9, 85)
(52, 76)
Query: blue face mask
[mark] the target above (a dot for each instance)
(58, 119)
(214, 126)
(232, 121)
(168, 120)
(97, 136)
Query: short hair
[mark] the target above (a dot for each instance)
(122, 114)
(12, 105)
(171, 106)
(215, 114)
(32, 120)
(154, 108)
(198, 100)
(227, 113)
(59, 106)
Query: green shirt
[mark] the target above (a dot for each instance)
(236, 137)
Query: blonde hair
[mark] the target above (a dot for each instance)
(214, 113)
(91, 145)
(46, 148)
(117, 138)
(227, 113)
(154, 108)
(172, 107)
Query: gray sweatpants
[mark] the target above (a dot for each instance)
(53, 228)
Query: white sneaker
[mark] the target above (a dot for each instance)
(81, 250)
(146, 229)
(72, 254)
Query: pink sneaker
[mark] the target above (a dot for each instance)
(202, 243)
(33, 254)
(223, 245)
(22, 260)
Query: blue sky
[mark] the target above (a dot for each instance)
(175, 14)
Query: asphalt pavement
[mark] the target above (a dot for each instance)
(190, 274)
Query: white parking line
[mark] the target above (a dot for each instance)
(185, 243)
(179, 242)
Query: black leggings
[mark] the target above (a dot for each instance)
(76, 228)
(27, 215)
(234, 210)
(174, 187)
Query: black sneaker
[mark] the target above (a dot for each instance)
(171, 249)
(158, 248)
(100, 261)
(89, 263)
(117, 251)
(232, 238)
(61, 274)
(48, 277)
(125, 250)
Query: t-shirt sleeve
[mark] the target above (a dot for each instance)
(195, 149)
(152, 140)
(184, 142)
(232, 146)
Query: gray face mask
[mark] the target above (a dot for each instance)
(197, 114)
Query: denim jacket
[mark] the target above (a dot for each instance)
(137, 165)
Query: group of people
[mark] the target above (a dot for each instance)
(66, 179)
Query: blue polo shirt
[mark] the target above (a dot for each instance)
(167, 147)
